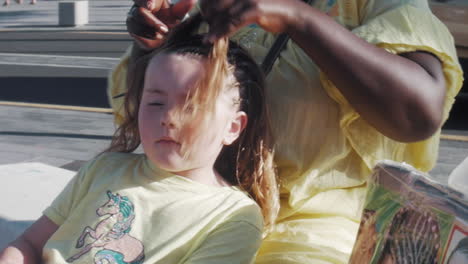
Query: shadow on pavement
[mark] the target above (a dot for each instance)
(74, 165)
(61, 135)
(9, 14)
(11, 229)
(76, 91)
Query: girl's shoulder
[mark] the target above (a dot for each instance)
(230, 201)
(113, 160)
(244, 208)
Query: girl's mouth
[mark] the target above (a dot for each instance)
(167, 140)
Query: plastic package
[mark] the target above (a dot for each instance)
(408, 218)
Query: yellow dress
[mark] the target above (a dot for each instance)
(324, 150)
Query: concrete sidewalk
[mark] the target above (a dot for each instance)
(34, 144)
(41, 149)
(103, 15)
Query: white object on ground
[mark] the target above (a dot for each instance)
(458, 179)
(26, 189)
(73, 13)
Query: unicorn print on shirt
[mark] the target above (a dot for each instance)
(111, 235)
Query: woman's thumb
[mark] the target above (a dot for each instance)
(149, 4)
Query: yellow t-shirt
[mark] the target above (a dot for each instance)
(324, 149)
(121, 207)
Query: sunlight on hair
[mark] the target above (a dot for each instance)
(218, 76)
(210, 85)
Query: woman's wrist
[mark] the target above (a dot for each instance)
(299, 17)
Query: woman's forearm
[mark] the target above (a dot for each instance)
(401, 96)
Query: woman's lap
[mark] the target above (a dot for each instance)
(309, 239)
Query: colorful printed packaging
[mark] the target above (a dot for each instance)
(409, 218)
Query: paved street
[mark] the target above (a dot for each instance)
(43, 63)
(84, 43)
(108, 15)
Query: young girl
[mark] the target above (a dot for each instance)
(200, 116)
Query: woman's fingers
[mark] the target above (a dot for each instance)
(211, 8)
(161, 20)
(181, 9)
(145, 17)
(150, 4)
(228, 22)
(149, 21)
(227, 16)
(147, 30)
(148, 44)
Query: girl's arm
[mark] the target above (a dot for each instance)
(232, 242)
(28, 247)
(401, 96)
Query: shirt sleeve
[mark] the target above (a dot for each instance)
(232, 242)
(69, 197)
(235, 239)
(399, 27)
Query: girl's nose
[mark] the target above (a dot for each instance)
(167, 119)
(167, 124)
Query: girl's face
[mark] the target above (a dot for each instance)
(164, 126)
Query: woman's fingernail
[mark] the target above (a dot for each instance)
(164, 29)
(149, 4)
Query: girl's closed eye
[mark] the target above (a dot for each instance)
(156, 104)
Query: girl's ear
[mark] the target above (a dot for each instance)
(235, 127)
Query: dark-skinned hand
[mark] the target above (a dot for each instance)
(149, 21)
(225, 17)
